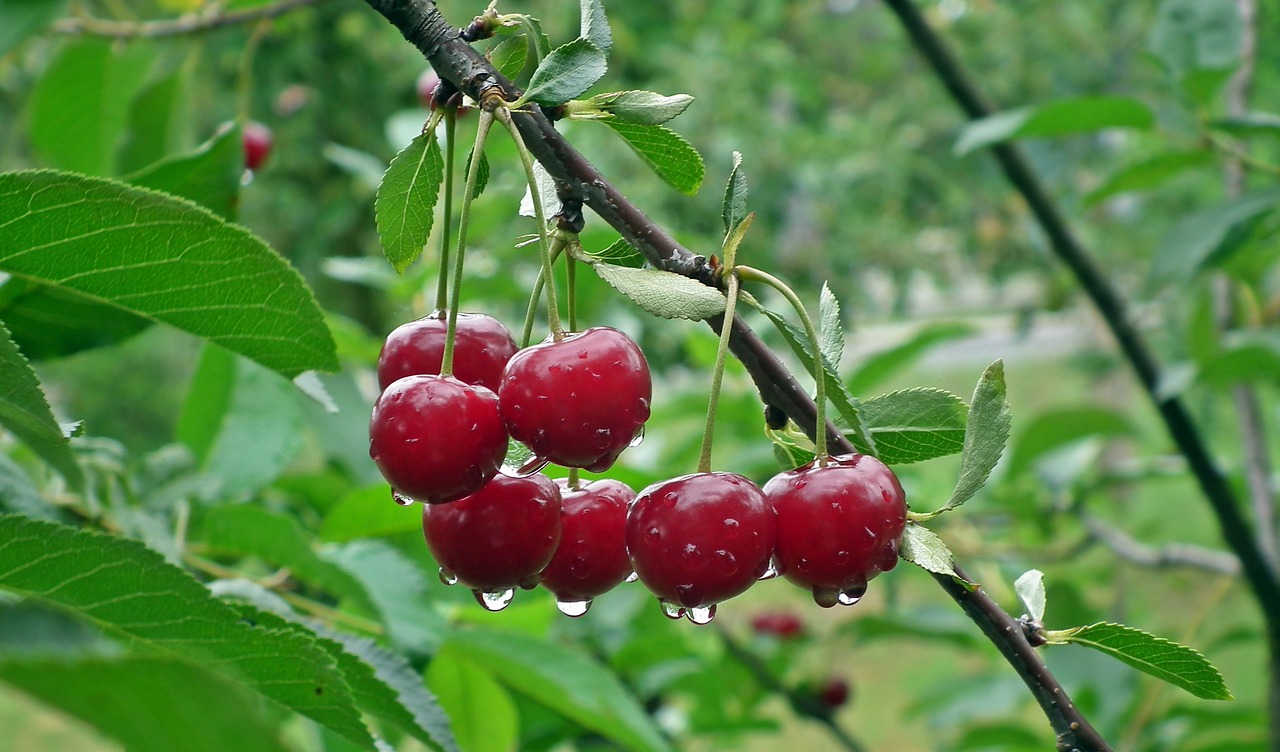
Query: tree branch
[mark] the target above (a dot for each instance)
(421, 24)
(1132, 550)
(189, 24)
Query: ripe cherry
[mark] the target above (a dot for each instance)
(436, 439)
(482, 346)
(498, 538)
(833, 693)
(699, 539)
(257, 140)
(425, 88)
(592, 557)
(577, 401)
(779, 624)
(839, 525)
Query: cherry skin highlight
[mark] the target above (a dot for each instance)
(578, 401)
(482, 346)
(839, 525)
(700, 539)
(592, 557)
(436, 439)
(498, 538)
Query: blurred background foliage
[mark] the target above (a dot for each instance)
(848, 143)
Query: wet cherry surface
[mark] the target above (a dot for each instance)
(592, 557)
(482, 347)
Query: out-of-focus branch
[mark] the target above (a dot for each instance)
(1132, 550)
(194, 23)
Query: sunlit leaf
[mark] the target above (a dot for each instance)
(566, 73)
(482, 714)
(662, 293)
(1209, 236)
(922, 547)
(984, 437)
(595, 26)
(914, 425)
(666, 152)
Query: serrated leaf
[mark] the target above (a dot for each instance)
(405, 207)
(1057, 428)
(537, 37)
(482, 714)
(165, 259)
(566, 73)
(789, 453)
(922, 547)
(595, 26)
(1030, 590)
(482, 172)
(1150, 173)
(208, 175)
(666, 152)
(640, 107)
(49, 322)
(510, 56)
(620, 253)
(1059, 118)
(984, 437)
(880, 367)
(733, 209)
(664, 294)
(20, 19)
(830, 328)
(1209, 236)
(156, 121)
(566, 681)
(129, 591)
(149, 703)
(1168, 661)
(25, 412)
(914, 425)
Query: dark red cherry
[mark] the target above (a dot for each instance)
(498, 538)
(839, 525)
(482, 347)
(578, 401)
(833, 693)
(699, 539)
(779, 624)
(257, 141)
(436, 439)
(592, 557)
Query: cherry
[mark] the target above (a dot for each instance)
(833, 693)
(577, 401)
(498, 538)
(780, 624)
(436, 439)
(425, 88)
(482, 346)
(839, 525)
(699, 539)
(592, 557)
(257, 141)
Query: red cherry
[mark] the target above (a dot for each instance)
(699, 539)
(838, 525)
(257, 140)
(482, 347)
(436, 439)
(833, 693)
(425, 88)
(498, 538)
(592, 557)
(777, 623)
(578, 401)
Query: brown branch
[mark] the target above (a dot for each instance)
(194, 23)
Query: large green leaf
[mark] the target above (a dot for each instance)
(208, 175)
(565, 681)
(51, 322)
(129, 591)
(1053, 429)
(1210, 235)
(1177, 664)
(666, 152)
(1060, 118)
(405, 207)
(594, 25)
(914, 425)
(25, 413)
(369, 513)
(20, 19)
(156, 122)
(149, 703)
(80, 105)
(567, 72)
(482, 714)
(165, 259)
(397, 587)
(985, 435)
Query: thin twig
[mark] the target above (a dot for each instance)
(194, 23)
(1134, 551)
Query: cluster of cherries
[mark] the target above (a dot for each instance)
(578, 400)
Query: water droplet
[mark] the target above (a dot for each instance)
(803, 565)
(602, 438)
(633, 577)
(887, 496)
(642, 405)
(770, 570)
(731, 528)
(530, 466)
(582, 355)
(653, 536)
(639, 438)
(573, 608)
(801, 483)
(401, 499)
(693, 558)
(852, 595)
(447, 577)
(826, 596)
(725, 562)
(580, 567)
(671, 610)
(494, 601)
(842, 557)
(702, 614)
(530, 582)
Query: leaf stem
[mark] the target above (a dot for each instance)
(192, 23)
(717, 375)
(442, 284)
(482, 133)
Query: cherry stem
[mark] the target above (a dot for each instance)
(482, 132)
(717, 375)
(573, 474)
(442, 284)
(539, 215)
(819, 369)
(571, 282)
(535, 297)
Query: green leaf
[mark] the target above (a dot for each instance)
(984, 436)
(1168, 661)
(165, 259)
(1056, 428)
(566, 73)
(1030, 590)
(405, 207)
(664, 294)
(537, 37)
(482, 172)
(734, 207)
(20, 19)
(510, 56)
(564, 680)
(1059, 118)
(638, 107)
(1191, 35)
(1245, 356)
(242, 421)
(1209, 236)
(49, 322)
(882, 366)
(482, 714)
(80, 105)
(208, 175)
(129, 591)
(369, 513)
(1150, 173)
(914, 425)
(1249, 124)
(922, 547)
(830, 328)
(595, 26)
(156, 123)
(398, 590)
(149, 703)
(25, 413)
(666, 152)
